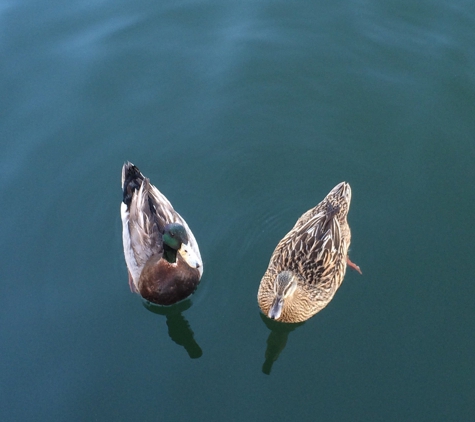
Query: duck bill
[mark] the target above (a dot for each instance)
(189, 256)
(276, 309)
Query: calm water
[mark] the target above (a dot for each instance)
(245, 115)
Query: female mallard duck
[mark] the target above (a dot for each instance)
(161, 253)
(309, 263)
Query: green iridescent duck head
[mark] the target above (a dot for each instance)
(175, 239)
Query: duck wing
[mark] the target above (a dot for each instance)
(145, 225)
(311, 248)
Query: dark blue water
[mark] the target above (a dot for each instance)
(245, 116)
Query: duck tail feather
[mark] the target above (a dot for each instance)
(132, 180)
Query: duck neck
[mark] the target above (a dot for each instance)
(169, 254)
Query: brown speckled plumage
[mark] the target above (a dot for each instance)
(315, 251)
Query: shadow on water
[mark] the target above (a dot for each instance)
(279, 332)
(178, 327)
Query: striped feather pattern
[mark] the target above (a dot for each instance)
(315, 251)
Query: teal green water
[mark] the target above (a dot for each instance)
(244, 115)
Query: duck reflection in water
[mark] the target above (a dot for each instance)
(279, 332)
(178, 327)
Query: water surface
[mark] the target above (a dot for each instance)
(245, 116)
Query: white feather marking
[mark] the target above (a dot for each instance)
(128, 251)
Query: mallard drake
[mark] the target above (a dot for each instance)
(309, 263)
(161, 253)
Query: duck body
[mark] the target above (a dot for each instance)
(309, 263)
(161, 253)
